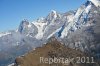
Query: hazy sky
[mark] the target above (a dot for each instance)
(13, 11)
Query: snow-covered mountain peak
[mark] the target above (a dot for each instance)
(96, 2)
(24, 24)
(53, 11)
(52, 15)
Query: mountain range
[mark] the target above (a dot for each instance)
(78, 29)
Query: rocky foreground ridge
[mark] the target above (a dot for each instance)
(53, 49)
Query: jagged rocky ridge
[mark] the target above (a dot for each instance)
(77, 29)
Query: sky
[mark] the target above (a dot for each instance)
(12, 12)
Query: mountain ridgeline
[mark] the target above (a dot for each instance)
(78, 29)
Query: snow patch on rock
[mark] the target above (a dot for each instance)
(96, 2)
(4, 34)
